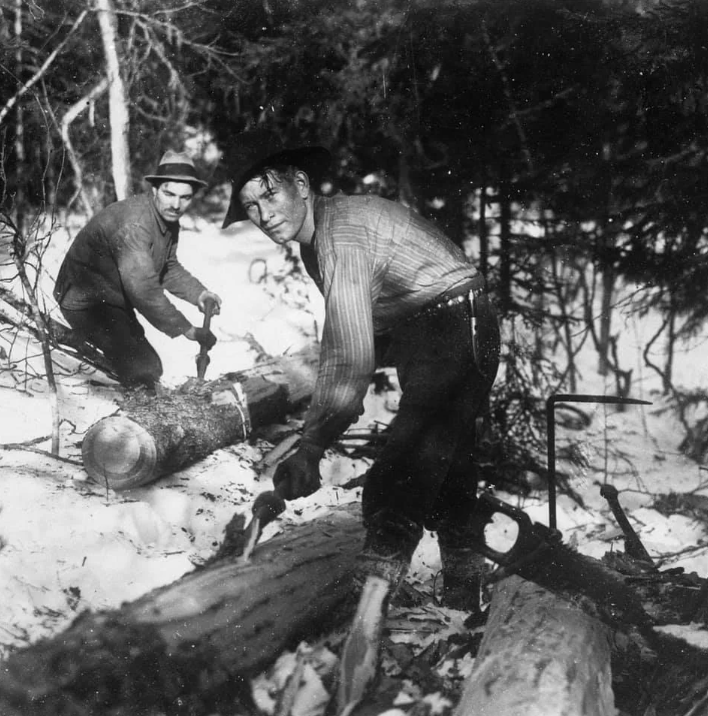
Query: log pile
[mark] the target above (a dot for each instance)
(190, 647)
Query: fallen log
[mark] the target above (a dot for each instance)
(152, 436)
(190, 647)
(540, 655)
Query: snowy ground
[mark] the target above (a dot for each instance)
(70, 545)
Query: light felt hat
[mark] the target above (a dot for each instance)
(176, 166)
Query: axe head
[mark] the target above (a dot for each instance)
(202, 363)
(203, 355)
(266, 507)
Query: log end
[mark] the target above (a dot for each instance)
(119, 452)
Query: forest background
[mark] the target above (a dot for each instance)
(562, 144)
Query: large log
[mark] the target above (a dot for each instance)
(152, 436)
(540, 655)
(190, 647)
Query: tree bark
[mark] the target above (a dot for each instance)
(153, 436)
(540, 656)
(117, 99)
(190, 647)
(20, 198)
(68, 117)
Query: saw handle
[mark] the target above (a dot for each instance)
(530, 537)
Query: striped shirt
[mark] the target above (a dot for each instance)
(376, 263)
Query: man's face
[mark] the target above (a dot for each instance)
(172, 199)
(277, 206)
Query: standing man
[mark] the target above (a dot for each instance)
(384, 270)
(123, 261)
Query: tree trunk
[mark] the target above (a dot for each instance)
(20, 199)
(158, 435)
(540, 656)
(483, 232)
(189, 648)
(117, 100)
(505, 241)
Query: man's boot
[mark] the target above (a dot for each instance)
(462, 573)
(463, 567)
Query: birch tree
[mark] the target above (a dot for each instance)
(117, 99)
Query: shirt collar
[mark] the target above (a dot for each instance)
(164, 227)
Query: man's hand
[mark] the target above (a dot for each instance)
(203, 336)
(299, 474)
(205, 296)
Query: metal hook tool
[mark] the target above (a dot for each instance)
(551, 433)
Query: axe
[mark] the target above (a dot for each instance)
(269, 504)
(203, 355)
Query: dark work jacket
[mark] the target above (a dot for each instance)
(127, 256)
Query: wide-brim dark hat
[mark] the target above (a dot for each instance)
(257, 151)
(175, 166)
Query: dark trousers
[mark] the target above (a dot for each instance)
(425, 476)
(117, 332)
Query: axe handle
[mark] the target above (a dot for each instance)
(203, 357)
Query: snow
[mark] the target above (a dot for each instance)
(69, 544)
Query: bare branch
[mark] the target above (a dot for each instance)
(69, 116)
(40, 72)
(19, 242)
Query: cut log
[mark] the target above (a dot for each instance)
(152, 436)
(540, 656)
(190, 647)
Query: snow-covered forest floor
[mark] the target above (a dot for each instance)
(68, 544)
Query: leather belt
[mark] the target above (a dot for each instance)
(466, 294)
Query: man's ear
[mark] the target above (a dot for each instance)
(302, 182)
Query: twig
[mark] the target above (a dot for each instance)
(26, 448)
(18, 256)
(19, 446)
(664, 557)
(40, 72)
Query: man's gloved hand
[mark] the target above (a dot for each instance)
(205, 296)
(203, 336)
(299, 474)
